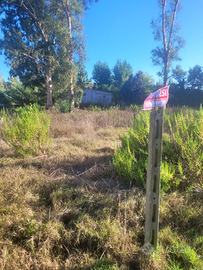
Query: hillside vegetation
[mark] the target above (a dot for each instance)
(68, 207)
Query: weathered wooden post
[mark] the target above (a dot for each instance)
(153, 185)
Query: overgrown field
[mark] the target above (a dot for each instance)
(67, 207)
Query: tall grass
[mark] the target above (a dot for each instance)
(71, 210)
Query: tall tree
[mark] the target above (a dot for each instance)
(29, 43)
(121, 72)
(101, 73)
(43, 40)
(165, 31)
(74, 11)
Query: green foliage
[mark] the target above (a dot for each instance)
(101, 73)
(78, 97)
(121, 72)
(179, 75)
(82, 77)
(105, 265)
(62, 105)
(17, 95)
(195, 77)
(136, 88)
(167, 177)
(182, 150)
(186, 139)
(180, 254)
(39, 42)
(130, 160)
(27, 132)
(94, 108)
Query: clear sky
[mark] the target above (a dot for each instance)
(118, 29)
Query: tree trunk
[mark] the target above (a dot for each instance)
(65, 5)
(71, 95)
(49, 86)
(167, 46)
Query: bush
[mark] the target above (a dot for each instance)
(130, 160)
(182, 157)
(63, 106)
(27, 132)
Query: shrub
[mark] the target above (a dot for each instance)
(186, 143)
(130, 160)
(63, 106)
(182, 157)
(27, 132)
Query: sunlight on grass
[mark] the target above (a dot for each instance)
(70, 209)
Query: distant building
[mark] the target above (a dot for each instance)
(96, 97)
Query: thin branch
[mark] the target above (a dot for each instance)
(32, 15)
(34, 59)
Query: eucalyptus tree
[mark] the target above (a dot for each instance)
(29, 41)
(74, 11)
(166, 31)
(43, 41)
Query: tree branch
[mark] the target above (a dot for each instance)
(34, 59)
(66, 9)
(32, 15)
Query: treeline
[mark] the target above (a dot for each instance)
(44, 45)
(186, 87)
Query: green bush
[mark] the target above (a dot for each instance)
(27, 132)
(185, 129)
(182, 157)
(63, 106)
(130, 160)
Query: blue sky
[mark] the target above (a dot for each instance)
(118, 29)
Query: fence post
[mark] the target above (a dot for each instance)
(153, 179)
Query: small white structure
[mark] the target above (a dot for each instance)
(96, 97)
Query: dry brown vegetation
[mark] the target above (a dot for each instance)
(70, 209)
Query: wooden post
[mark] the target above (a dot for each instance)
(153, 180)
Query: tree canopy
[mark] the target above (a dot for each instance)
(43, 41)
(195, 77)
(101, 73)
(121, 72)
(136, 88)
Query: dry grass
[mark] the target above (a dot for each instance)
(70, 210)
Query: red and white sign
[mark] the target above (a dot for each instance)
(158, 98)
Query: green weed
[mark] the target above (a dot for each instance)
(130, 160)
(27, 132)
